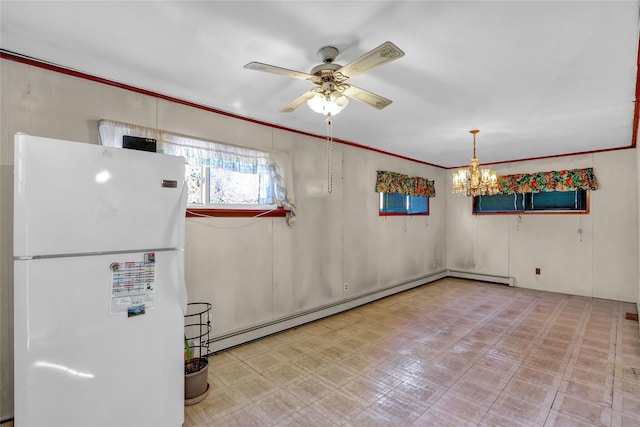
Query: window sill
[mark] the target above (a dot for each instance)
(235, 213)
(547, 212)
(402, 214)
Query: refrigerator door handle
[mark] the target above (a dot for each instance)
(182, 288)
(183, 212)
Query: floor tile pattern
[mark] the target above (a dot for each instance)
(450, 353)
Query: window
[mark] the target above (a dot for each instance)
(543, 202)
(211, 187)
(225, 176)
(403, 194)
(400, 204)
(220, 177)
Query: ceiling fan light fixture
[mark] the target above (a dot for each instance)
(328, 104)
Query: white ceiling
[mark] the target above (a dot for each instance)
(538, 78)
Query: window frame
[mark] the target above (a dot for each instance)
(584, 211)
(225, 209)
(230, 210)
(381, 213)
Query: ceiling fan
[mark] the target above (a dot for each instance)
(332, 93)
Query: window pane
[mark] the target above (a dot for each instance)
(400, 204)
(558, 200)
(499, 203)
(233, 187)
(539, 202)
(393, 203)
(195, 177)
(418, 204)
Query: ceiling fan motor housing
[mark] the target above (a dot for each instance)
(328, 54)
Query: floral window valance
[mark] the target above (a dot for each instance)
(393, 182)
(563, 180)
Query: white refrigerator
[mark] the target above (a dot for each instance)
(99, 293)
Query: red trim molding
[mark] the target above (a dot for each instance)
(554, 156)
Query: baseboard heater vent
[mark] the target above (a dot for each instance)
(261, 330)
(507, 280)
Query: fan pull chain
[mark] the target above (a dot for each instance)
(329, 155)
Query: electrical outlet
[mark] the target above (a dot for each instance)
(346, 286)
(537, 270)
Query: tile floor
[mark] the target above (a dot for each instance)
(450, 353)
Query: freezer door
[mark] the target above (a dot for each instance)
(77, 363)
(73, 198)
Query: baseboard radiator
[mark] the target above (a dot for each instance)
(261, 330)
(506, 280)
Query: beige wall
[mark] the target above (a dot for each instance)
(600, 262)
(251, 270)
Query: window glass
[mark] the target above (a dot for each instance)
(499, 203)
(554, 200)
(547, 201)
(195, 184)
(231, 187)
(392, 203)
(399, 204)
(418, 205)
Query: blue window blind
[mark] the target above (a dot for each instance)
(547, 201)
(399, 204)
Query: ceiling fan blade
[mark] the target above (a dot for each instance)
(382, 54)
(366, 97)
(299, 101)
(259, 66)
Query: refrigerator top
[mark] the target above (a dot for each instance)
(72, 198)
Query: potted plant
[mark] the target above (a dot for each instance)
(195, 376)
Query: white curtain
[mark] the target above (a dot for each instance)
(111, 132)
(278, 189)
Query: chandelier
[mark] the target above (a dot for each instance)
(474, 181)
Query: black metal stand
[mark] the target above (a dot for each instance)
(197, 326)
